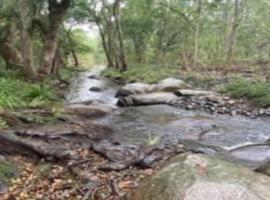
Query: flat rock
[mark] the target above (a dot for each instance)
(193, 92)
(253, 155)
(195, 176)
(120, 156)
(52, 142)
(148, 99)
(89, 111)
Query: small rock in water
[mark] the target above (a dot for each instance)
(95, 89)
(92, 77)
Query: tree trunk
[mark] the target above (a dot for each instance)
(57, 11)
(232, 36)
(8, 50)
(122, 56)
(75, 58)
(57, 62)
(26, 38)
(72, 50)
(197, 34)
(105, 46)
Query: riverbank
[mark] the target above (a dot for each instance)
(246, 88)
(95, 150)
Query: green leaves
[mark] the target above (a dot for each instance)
(17, 94)
(257, 91)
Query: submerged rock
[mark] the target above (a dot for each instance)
(195, 176)
(95, 89)
(253, 155)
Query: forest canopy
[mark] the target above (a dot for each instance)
(37, 36)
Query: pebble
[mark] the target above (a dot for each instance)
(221, 105)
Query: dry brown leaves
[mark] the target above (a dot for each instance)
(43, 181)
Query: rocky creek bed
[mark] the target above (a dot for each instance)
(100, 151)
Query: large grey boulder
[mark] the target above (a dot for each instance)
(166, 85)
(147, 99)
(135, 88)
(169, 84)
(199, 177)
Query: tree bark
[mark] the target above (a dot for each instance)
(57, 62)
(104, 45)
(197, 34)
(122, 55)
(72, 50)
(8, 51)
(57, 11)
(26, 38)
(232, 36)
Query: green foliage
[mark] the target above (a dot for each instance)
(16, 93)
(199, 80)
(257, 91)
(144, 73)
(66, 73)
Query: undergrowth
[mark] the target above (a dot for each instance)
(143, 73)
(257, 91)
(15, 93)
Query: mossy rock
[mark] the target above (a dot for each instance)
(194, 176)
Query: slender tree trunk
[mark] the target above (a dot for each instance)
(232, 36)
(197, 34)
(57, 11)
(72, 50)
(75, 58)
(122, 54)
(225, 19)
(105, 46)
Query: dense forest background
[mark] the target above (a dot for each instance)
(140, 39)
(39, 34)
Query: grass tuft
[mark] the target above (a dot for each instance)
(257, 91)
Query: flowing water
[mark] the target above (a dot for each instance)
(246, 140)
